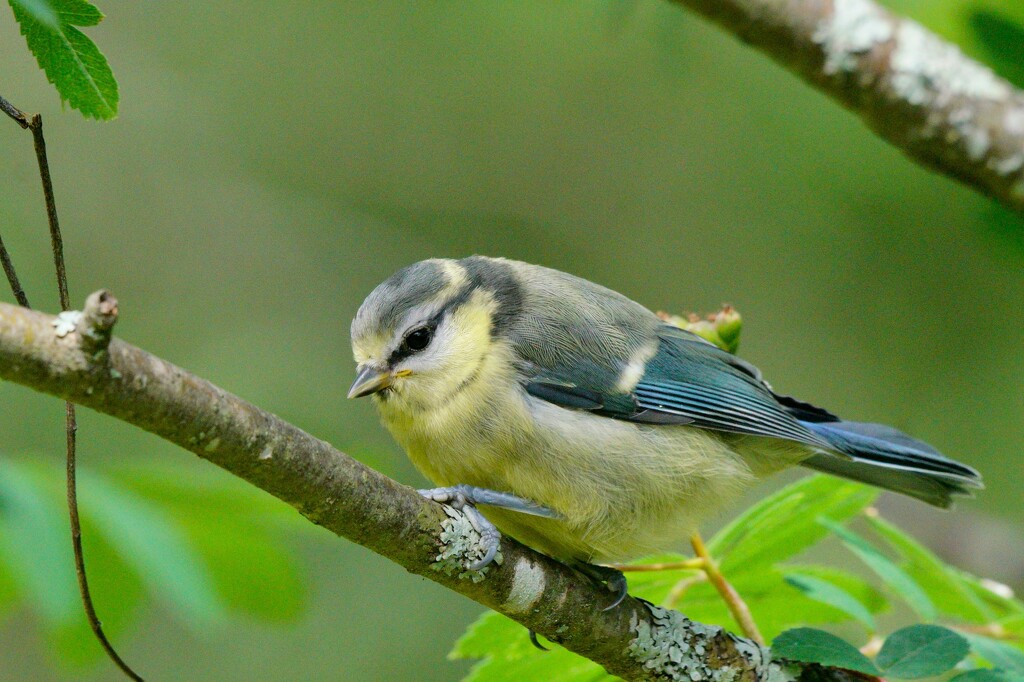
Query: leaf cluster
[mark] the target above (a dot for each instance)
(70, 59)
(209, 549)
(889, 574)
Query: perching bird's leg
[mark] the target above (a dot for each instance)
(737, 607)
(493, 498)
(466, 497)
(612, 578)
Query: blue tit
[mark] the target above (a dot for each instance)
(583, 425)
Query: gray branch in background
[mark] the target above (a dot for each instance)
(74, 357)
(916, 90)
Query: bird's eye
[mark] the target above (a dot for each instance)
(418, 339)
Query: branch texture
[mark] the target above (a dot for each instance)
(914, 89)
(74, 357)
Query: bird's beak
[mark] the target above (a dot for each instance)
(370, 379)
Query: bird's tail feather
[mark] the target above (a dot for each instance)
(890, 459)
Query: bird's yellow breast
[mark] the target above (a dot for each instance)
(463, 436)
(621, 488)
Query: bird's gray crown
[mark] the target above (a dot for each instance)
(445, 283)
(388, 305)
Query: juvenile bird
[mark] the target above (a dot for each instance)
(582, 424)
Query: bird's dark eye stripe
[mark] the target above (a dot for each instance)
(405, 349)
(418, 339)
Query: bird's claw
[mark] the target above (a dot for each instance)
(535, 642)
(612, 578)
(618, 585)
(456, 497)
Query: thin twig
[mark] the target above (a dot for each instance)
(679, 590)
(35, 124)
(739, 609)
(14, 112)
(12, 276)
(76, 543)
(685, 565)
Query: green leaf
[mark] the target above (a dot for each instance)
(893, 576)
(998, 653)
(36, 546)
(1002, 41)
(832, 595)
(508, 655)
(152, 543)
(234, 528)
(1009, 607)
(775, 608)
(783, 525)
(117, 592)
(982, 675)
(1013, 626)
(203, 491)
(252, 572)
(950, 590)
(749, 548)
(809, 645)
(71, 61)
(40, 10)
(921, 651)
(8, 588)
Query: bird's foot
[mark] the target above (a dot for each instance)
(611, 578)
(456, 497)
(466, 497)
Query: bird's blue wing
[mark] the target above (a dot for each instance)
(687, 381)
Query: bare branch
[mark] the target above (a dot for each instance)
(919, 92)
(73, 357)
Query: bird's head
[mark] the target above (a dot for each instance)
(424, 332)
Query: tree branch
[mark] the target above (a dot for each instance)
(74, 357)
(917, 91)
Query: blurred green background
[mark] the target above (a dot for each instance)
(273, 162)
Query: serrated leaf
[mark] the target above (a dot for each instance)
(71, 61)
(40, 10)
(556, 665)
(783, 525)
(832, 595)
(866, 593)
(809, 645)
(775, 608)
(949, 589)
(749, 548)
(492, 634)
(893, 576)
(921, 651)
(507, 655)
